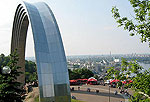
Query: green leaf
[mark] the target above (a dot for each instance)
(132, 34)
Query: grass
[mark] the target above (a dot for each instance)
(36, 99)
(72, 100)
(75, 100)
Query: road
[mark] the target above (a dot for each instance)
(102, 96)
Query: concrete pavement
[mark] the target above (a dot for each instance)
(102, 96)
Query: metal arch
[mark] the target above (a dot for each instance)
(49, 51)
(19, 20)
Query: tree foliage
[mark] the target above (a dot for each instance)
(4, 60)
(133, 71)
(80, 73)
(140, 23)
(30, 68)
(30, 71)
(10, 90)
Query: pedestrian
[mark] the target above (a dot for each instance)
(72, 89)
(30, 89)
(116, 92)
(78, 88)
(88, 89)
(97, 91)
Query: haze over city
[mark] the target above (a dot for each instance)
(87, 27)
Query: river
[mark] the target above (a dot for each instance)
(145, 66)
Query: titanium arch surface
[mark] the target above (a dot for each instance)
(49, 51)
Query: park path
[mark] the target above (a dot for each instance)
(102, 96)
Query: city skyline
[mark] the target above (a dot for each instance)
(87, 27)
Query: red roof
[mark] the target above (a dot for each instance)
(130, 81)
(73, 81)
(124, 82)
(82, 79)
(115, 80)
(92, 79)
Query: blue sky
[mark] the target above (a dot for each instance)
(87, 27)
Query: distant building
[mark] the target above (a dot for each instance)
(116, 60)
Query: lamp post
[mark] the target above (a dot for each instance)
(109, 92)
(6, 70)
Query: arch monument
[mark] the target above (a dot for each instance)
(49, 51)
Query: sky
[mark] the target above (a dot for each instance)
(87, 27)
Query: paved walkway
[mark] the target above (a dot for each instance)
(102, 96)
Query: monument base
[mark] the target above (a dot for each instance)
(56, 99)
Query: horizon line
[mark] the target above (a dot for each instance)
(105, 54)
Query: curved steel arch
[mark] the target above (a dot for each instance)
(49, 51)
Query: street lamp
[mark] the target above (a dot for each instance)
(6, 70)
(109, 92)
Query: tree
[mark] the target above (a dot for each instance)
(133, 71)
(73, 75)
(4, 60)
(30, 68)
(10, 90)
(140, 23)
(30, 71)
(96, 76)
(80, 73)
